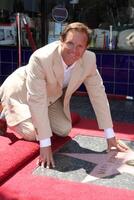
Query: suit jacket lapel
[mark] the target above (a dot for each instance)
(76, 75)
(75, 78)
(58, 67)
(74, 83)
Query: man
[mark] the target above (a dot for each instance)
(36, 97)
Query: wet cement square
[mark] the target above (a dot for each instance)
(84, 159)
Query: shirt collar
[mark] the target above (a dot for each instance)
(66, 67)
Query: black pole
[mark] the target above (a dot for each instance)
(44, 21)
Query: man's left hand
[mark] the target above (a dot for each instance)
(113, 143)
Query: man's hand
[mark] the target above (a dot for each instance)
(46, 157)
(113, 143)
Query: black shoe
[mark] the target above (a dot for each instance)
(3, 126)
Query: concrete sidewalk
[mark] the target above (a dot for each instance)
(121, 110)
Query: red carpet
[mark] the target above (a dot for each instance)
(25, 186)
(16, 153)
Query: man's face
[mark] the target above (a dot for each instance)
(73, 47)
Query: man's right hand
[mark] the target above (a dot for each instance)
(46, 157)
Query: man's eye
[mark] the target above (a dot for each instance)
(70, 45)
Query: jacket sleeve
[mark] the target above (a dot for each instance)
(98, 97)
(37, 97)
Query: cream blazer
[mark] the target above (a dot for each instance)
(29, 90)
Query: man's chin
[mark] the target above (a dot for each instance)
(72, 60)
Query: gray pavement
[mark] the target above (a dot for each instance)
(121, 110)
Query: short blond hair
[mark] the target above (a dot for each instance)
(77, 26)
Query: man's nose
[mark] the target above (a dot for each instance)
(74, 48)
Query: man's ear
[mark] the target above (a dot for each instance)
(61, 38)
(88, 46)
